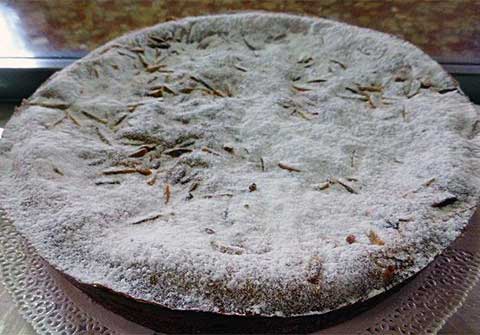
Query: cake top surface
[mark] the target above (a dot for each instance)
(245, 163)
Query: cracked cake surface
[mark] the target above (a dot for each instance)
(247, 163)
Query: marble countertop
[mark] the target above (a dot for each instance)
(447, 30)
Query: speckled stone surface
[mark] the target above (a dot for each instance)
(447, 30)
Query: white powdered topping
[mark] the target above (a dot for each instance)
(248, 163)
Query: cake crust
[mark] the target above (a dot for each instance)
(242, 164)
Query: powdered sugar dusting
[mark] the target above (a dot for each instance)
(133, 168)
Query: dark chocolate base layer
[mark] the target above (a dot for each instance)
(166, 320)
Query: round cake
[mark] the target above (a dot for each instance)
(243, 164)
